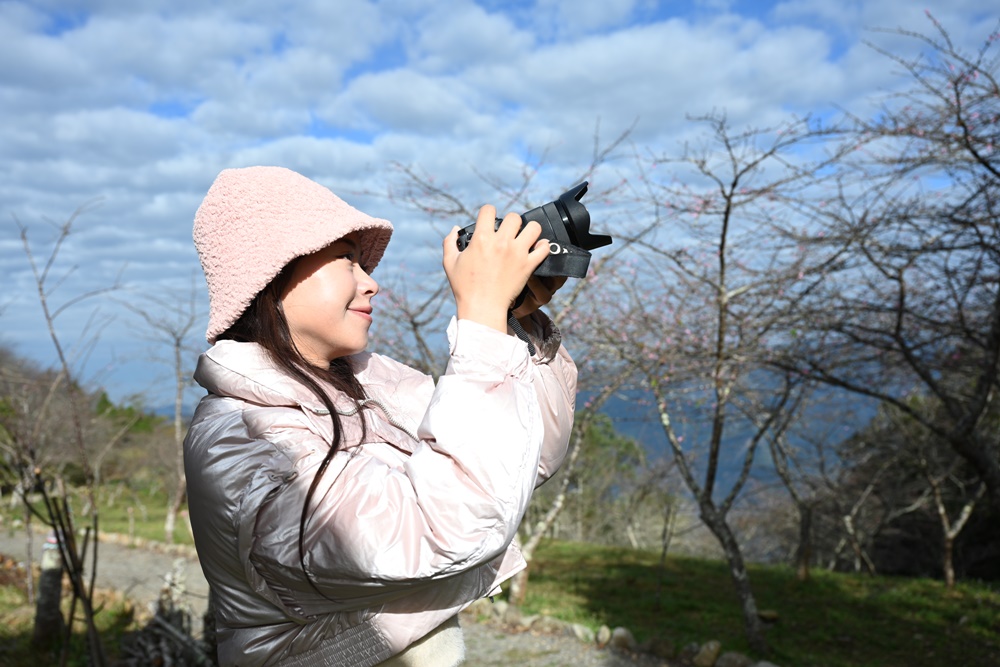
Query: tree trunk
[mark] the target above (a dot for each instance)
(669, 514)
(519, 582)
(170, 524)
(951, 530)
(949, 563)
(180, 491)
(803, 557)
(741, 580)
(49, 622)
(519, 587)
(861, 558)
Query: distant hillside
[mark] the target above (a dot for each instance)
(837, 415)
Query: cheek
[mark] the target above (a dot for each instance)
(316, 307)
(303, 305)
(295, 302)
(315, 290)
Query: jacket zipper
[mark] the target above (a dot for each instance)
(388, 416)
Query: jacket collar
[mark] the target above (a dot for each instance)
(245, 371)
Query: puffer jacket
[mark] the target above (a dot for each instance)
(406, 527)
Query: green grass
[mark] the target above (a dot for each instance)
(116, 616)
(148, 511)
(124, 509)
(833, 620)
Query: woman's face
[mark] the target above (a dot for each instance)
(327, 302)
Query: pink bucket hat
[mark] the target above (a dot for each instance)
(255, 220)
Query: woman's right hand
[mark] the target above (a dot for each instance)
(490, 273)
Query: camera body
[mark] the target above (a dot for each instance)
(566, 224)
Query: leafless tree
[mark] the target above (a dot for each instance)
(914, 310)
(951, 526)
(915, 474)
(805, 460)
(554, 503)
(413, 313)
(170, 321)
(28, 445)
(713, 288)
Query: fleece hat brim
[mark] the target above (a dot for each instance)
(255, 220)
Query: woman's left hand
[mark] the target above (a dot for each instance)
(539, 293)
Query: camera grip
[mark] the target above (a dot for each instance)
(563, 259)
(465, 234)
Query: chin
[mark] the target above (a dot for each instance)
(359, 348)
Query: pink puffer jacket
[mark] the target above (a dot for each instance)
(407, 528)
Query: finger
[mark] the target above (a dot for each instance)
(539, 251)
(541, 245)
(485, 221)
(450, 250)
(529, 235)
(525, 309)
(510, 225)
(541, 293)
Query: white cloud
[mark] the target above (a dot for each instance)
(407, 101)
(582, 16)
(456, 36)
(142, 104)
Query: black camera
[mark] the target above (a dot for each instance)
(566, 224)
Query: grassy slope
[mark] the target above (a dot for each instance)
(834, 620)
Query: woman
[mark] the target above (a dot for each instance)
(345, 508)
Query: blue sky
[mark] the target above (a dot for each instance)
(140, 104)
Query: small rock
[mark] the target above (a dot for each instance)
(764, 663)
(707, 654)
(512, 615)
(525, 622)
(500, 609)
(549, 626)
(583, 633)
(623, 639)
(689, 651)
(603, 636)
(733, 659)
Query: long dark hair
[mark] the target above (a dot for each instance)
(264, 323)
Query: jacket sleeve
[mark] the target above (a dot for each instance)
(381, 523)
(555, 377)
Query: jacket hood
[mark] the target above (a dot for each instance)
(245, 371)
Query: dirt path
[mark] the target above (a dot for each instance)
(136, 573)
(139, 573)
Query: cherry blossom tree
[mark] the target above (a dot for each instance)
(714, 286)
(914, 309)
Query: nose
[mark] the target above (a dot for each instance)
(366, 284)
